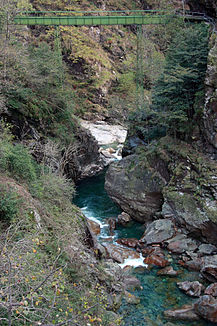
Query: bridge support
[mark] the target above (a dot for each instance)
(58, 51)
(140, 69)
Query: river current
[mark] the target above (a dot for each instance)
(158, 293)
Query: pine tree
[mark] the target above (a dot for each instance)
(180, 88)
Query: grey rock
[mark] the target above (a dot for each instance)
(211, 290)
(123, 219)
(193, 289)
(210, 113)
(181, 243)
(168, 271)
(118, 253)
(209, 268)
(206, 307)
(132, 283)
(159, 231)
(131, 298)
(136, 189)
(206, 249)
(186, 312)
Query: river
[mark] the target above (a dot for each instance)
(159, 293)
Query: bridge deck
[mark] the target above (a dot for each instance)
(99, 18)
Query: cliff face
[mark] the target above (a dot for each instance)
(189, 191)
(210, 108)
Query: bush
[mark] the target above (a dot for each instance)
(8, 204)
(53, 189)
(16, 160)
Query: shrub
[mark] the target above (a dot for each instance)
(53, 189)
(8, 204)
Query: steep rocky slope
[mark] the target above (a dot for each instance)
(170, 178)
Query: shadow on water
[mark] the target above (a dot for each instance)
(159, 293)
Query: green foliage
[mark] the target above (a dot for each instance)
(16, 160)
(34, 90)
(53, 189)
(180, 88)
(8, 204)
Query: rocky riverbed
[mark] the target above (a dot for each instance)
(172, 189)
(170, 268)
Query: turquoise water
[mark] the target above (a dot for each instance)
(159, 293)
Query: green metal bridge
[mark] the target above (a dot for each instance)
(95, 18)
(98, 18)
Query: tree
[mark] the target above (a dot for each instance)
(181, 86)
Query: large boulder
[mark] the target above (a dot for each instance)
(186, 312)
(209, 268)
(191, 194)
(206, 307)
(181, 243)
(118, 253)
(193, 289)
(135, 187)
(159, 231)
(168, 179)
(211, 290)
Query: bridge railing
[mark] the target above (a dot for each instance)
(121, 17)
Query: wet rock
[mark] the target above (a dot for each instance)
(136, 189)
(206, 249)
(107, 154)
(152, 250)
(131, 298)
(209, 268)
(119, 254)
(186, 312)
(168, 271)
(211, 290)
(94, 226)
(112, 225)
(123, 219)
(83, 160)
(99, 249)
(131, 242)
(193, 289)
(206, 307)
(127, 270)
(140, 270)
(104, 133)
(132, 283)
(194, 264)
(181, 243)
(159, 231)
(156, 260)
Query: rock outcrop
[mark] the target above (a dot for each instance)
(158, 231)
(171, 173)
(136, 188)
(206, 307)
(210, 109)
(84, 159)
